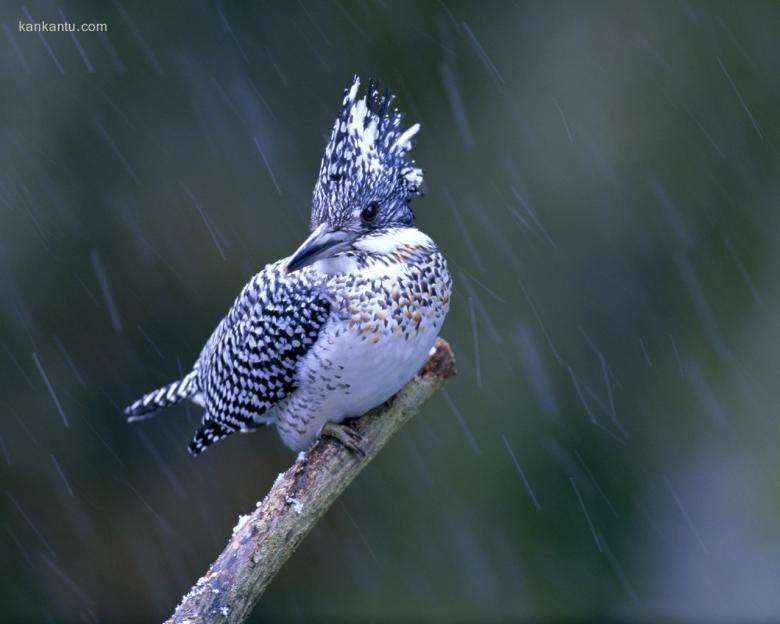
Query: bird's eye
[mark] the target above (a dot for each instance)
(370, 212)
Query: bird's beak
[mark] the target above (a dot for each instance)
(322, 243)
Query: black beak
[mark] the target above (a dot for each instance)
(322, 243)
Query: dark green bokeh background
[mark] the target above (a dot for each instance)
(604, 180)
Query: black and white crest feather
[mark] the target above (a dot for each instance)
(365, 158)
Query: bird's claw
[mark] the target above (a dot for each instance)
(346, 435)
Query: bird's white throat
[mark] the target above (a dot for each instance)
(378, 249)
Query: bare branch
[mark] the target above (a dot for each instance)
(263, 541)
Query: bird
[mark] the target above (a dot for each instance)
(341, 325)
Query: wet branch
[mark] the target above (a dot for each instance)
(263, 541)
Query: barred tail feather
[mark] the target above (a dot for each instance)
(147, 405)
(209, 432)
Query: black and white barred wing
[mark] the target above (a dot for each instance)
(249, 365)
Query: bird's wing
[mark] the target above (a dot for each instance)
(250, 362)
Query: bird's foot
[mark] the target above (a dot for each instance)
(346, 435)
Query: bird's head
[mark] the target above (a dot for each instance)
(366, 181)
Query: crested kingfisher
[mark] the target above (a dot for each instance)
(342, 324)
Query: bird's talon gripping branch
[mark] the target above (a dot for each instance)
(346, 435)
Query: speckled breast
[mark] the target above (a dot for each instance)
(385, 318)
(389, 324)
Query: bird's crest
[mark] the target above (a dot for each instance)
(366, 154)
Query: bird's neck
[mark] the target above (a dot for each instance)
(383, 251)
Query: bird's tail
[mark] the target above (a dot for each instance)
(147, 405)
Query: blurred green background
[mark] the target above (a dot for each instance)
(603, 178)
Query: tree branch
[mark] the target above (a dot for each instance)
(263, 541)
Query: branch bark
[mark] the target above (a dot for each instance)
(263, 540)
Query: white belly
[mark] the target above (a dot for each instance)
(346, 375)
(376, 371)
